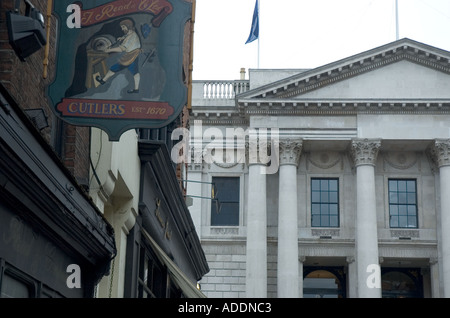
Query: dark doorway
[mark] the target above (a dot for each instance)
(324, 282)
(401, 283)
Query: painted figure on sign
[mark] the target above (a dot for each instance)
(130, 45)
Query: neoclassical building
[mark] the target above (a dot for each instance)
(326, 182)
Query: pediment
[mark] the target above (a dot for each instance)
(403, 79)
(401, 70)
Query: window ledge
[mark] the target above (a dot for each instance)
(405, 233)
(224, 230)
(325, 232)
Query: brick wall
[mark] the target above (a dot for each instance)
(227, 263)
(24, 80)
(76, 152)
(26, 83)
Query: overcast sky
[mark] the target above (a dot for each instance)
(307, 33)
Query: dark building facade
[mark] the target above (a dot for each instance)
(54, 242)
(58, 238)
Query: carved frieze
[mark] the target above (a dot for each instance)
(325, 232)
(224, 231)
(325, 160)
(405, 233)
(198, 167)
(231, 158)
(400, 160)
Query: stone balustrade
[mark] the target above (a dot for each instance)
(219, 90)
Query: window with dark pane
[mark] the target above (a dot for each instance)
(151, 279)
(225, 206)
(402, 203)
(324, 202)
(13, 287)
(15, 283)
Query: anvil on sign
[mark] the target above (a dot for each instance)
(120, 63)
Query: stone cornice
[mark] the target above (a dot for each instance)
(310, 107)
(210, 116)
(365, 151)
(343, 106)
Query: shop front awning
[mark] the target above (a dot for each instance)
(189, 289)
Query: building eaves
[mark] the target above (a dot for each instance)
(54, 199)
(156, 154)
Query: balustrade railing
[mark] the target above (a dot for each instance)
(224, 89)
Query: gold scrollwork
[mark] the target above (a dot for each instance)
(164, 224)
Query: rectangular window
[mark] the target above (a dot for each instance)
(324, 202)
(15, 283)
(402, 203)
(152, 276)
(12, 287)
(225, 206)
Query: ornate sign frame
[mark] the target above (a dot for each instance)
(120, 63)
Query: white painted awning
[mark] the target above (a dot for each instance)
(188, 288)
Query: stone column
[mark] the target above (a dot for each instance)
(256, 271)
(441, 154)
(287, 268)
(352, 277)
(301, 261)
(364, 153)
(434, 277)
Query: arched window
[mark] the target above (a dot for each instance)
(323, 283)
(401, 283)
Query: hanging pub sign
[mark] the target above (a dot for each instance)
(120, 63)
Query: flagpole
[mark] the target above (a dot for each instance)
(259, 36)
(254, 30)
(396, 20)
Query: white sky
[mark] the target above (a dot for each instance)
(307, 33)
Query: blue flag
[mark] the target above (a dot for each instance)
(254, 32)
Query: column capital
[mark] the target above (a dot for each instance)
(290, 150)
(258, 151)
(440, 152)
(365, 151)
